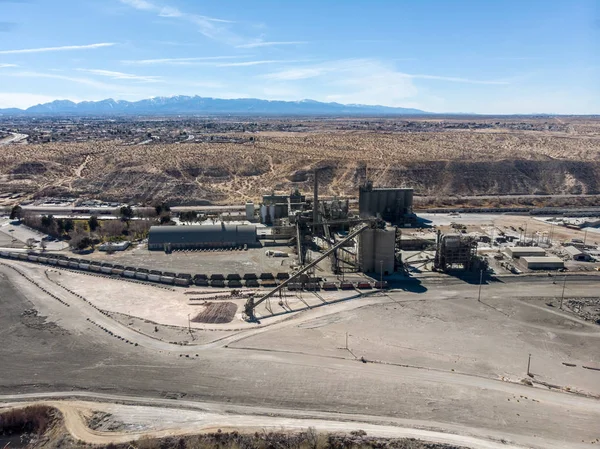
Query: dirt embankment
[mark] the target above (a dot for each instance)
(41, 426)
(434, 163)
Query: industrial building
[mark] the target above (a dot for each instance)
(516, 252)
(376, 250)
(274, 207)
(543, 263)
(392, 205)
(455, 251)
(577, 254)
(222, 235)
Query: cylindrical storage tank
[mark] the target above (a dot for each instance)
(167, 280)
(217, 283)
(63, 262)
(129, 272)
(32, 258)
(73, 264)
(252, 283)
(96, 267)
(272, 212)
(234, 283)
(118, 270)
(106, 268)
(183, 282)
(52, 261)
(263, 213)
(249, 210)
(141, 274)
(42, 259)
(23, 256)
(4, 253)
(13, 255)
(154, 275)
(84, 266)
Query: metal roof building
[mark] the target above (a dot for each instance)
(576, 254)
(201, 236)
(525, 251)
(544, 263)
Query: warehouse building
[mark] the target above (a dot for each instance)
(577, 254)
(167, 238)
(543, 263)
(525, 251)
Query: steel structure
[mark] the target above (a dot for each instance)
(251, 305)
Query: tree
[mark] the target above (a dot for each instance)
(80, 241)
(69, 225)
(16, 212)
(165, 219)
(60, 226)
(30, 243)
(47, 221)
(44, 245)
(126, 213)
(93, 223)
(160, 208)
(188, 217)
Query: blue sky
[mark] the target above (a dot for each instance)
(483, 56)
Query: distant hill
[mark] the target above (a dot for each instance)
(205, 106)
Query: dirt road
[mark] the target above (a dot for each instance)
(149, 415)
(297, 365)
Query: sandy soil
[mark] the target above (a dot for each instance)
(434, 356)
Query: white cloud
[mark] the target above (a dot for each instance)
(63, 48)
(297, 74)
(366, 81)
(139, 4)
(73, 79)
(211, 27)
(342, 66)
(453, 79)
(251, 63)
(5, 66)
(24, 100)
(270, 44)
(177, 61)
(121, 75)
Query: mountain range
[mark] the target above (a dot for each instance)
(187, 105)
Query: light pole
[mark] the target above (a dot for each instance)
(480, 282)
(585, 237)
(190, 326)
(562, 297)
(380, 274)
(529, 365)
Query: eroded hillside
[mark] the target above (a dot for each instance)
(234, 167)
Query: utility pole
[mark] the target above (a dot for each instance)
(585, 237)
(563, 292)
(380, 274)
(529, 365)
(480, 282)
(346, 340)
(190, 326)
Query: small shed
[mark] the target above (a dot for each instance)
(114, 246)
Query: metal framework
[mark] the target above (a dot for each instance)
(251, 305)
